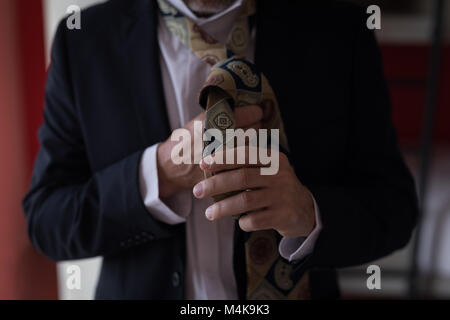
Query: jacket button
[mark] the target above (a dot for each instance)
(147, 235)
(175, 279)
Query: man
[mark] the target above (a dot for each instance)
(105, 184)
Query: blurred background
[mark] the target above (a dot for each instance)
(414, 40)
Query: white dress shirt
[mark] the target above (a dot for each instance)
(209, 266)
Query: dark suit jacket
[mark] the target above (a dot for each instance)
(104, 105)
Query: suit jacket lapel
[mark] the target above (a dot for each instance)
(267, 25)
(139, 32)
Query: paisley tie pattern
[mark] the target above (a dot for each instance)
(234, 82)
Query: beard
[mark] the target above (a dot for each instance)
(208, 7)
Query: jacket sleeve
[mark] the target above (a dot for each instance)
(71, 211)
(373, 210)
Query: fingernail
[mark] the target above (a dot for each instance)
(208, 213)
(198, 190)
(206, 163)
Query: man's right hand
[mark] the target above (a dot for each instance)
(174, 178)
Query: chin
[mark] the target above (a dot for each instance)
(208, 6)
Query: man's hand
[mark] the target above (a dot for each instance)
(173, 177)
(277, 202)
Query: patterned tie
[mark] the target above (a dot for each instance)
(233, 82)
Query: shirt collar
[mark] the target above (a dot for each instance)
(219, 25)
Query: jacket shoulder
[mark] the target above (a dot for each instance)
(335, 15)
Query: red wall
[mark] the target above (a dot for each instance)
(30, 29)
(24, 273)
(406, 69)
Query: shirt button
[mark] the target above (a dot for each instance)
(175, 279)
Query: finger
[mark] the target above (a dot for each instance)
(234, 180)
(257, 220)
(242, 202)
(200, 117)
(240, 157)
(247, 115)
(255, 126)
(191, 124)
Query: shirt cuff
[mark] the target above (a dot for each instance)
(173, 210)
(298, 248)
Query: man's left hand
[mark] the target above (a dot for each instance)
(278, 202)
